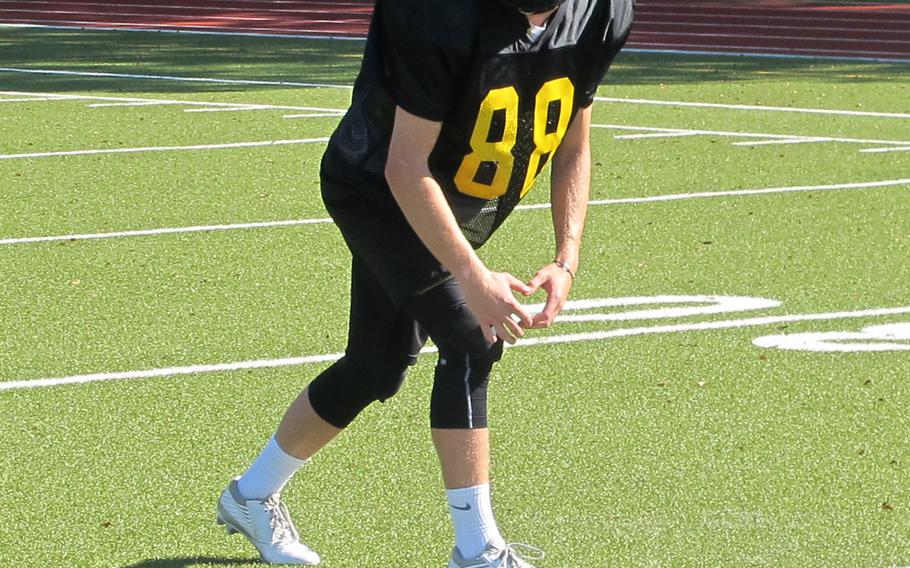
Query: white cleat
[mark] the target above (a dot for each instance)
(267, 524)
(498, 557)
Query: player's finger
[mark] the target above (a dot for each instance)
(520, 315)
(517, 285)
(515, 329)
(503, 333)
(535, 283)
(547, 316)
(541, 321)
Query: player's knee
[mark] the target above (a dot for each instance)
(459, 397)
(343, 390)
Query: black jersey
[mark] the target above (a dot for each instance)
(505, 101)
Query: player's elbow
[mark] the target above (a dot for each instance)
(404, 170)
(396, 168)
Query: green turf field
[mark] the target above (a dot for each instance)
(626, 436)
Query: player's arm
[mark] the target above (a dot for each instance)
(488, 294)
(569, 187)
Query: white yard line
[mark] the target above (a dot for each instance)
(171, 78)
(880, 150)
(806, 31)
(163, 149)
(236, 108)
(667, 134)
(315, 115)
(737, 193)
(761, 108)
(794, 140)
(788, 52)
(134, 104)
(137, 101)
(738, 51)
(336, 86)
(600, 202)
(166, 231)
(654, 132)
(29, 99)
(782, 138)
(527, 342)
(788, 38)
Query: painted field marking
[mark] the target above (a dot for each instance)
(780, 52)
(163, 148)
(173, 78)
(668, 134)
(779, 139)
(316, 115)
(29, 99)
(730, 304)
(135, 104)
(529, 207)
(165, 231)
(879, 150)
(805, 30)
(788, 140)
(208, 106)
(887, 337)
(801, 38)
(764, 138)
(761, 108)
(322, 111)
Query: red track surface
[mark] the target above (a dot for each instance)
(780, 27)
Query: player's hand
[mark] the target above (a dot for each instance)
(489, 297)
(557, 283)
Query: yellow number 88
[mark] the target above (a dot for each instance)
(498, 154)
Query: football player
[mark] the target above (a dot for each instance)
(458, 107)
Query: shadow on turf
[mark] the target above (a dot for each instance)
(332, 62)
(191, 561)
(224, 57)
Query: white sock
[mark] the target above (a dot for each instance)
(269, 472)
(472, 518)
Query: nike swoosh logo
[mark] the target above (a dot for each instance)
(467, 507)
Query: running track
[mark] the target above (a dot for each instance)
(771, 27)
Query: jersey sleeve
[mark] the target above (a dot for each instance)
(426, 47)
(614, 39)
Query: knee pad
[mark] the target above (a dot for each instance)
(459, 399)
(351, 384)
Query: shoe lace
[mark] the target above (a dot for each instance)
(515, 554)
(283, 530)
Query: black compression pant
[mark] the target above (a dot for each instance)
(384, 340)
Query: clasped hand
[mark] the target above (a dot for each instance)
(490, 297)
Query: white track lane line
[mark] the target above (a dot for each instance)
(527, 342)
(600, 202)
